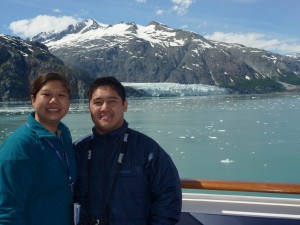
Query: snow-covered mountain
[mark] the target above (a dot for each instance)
(158, 53)
(295, 56)
(21, 61)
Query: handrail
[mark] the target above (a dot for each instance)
(243, 186)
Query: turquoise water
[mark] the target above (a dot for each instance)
(235, 137)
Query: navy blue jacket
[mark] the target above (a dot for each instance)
(147, 191)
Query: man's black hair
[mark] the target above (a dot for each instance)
(108, 81)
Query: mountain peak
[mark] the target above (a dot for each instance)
(159, 53)
(159, 26)
(89, 24)
(130, 26)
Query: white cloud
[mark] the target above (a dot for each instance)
(181, 6)
(159, 12)
(57, 10)
(257, 40)
(41, 23)
(140, 1)
(184, 27)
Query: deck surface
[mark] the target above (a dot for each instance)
(209, 209)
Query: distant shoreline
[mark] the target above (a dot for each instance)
(290, 87)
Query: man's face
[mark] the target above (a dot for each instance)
(107, 109)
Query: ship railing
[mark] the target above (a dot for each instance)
(241, 186)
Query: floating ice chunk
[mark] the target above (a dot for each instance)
(211, 137)
(227, 161)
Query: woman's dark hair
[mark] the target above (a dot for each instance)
(108, 81)
(41, 81)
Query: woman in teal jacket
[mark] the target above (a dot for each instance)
(37, 165)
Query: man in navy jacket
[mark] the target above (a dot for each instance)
(124, 176)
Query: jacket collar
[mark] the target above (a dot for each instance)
(39, 129)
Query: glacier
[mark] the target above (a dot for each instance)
(175, 89)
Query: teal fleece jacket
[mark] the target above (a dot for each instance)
(34, 181)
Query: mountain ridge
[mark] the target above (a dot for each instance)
(22, 61)
(133, 53)
(158, 53)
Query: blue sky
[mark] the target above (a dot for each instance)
(273, 25)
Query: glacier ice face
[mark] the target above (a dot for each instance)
(175, 89)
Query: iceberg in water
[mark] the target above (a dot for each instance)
(175, 89)
(227, 161)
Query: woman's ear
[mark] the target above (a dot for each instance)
(32, 99)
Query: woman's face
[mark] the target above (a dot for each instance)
(51, 104)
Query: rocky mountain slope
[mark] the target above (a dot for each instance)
(157, 53)
(21, 61)
(147, 54)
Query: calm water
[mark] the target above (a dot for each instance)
(249, 137)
